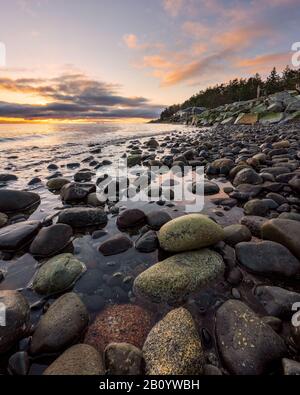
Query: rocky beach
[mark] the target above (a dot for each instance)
(94, 287)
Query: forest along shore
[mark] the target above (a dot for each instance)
(89, 286)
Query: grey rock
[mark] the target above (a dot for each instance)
(82, 217)
(16, 236)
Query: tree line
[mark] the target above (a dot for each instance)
(238, 90)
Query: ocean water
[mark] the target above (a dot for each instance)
(18, 136)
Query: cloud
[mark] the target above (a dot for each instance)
(265, 62)
(195, 29)
(173, 7)
(74, 97)
(131, 41)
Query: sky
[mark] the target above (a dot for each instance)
(111, 60)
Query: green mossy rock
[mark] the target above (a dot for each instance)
(190, 232)
(174, 279)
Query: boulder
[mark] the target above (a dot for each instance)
(82, 217)
(247, 345)
(56, 184)
(174, 279)
(156, 219)
(17, 319)
(61, 326)
(15, 237)
(190, 232)
(131, 219)
(268, 258)
(51, 240)
(247, 176)
(285, 232)
(79, 360)
(235, 234)
(290, 367)
(58, 275)
(173, 346)
(277, 302)
(17, 201)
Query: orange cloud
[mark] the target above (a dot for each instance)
(264, 62)
(156, 62)
(173, 7)
(195, 29)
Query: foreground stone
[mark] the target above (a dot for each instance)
(290, 367)
(51, 240)
(58, 274)
(173, 346)
(56, 184)
(17, 315)
(277, 302)
(189, 232)
(79, 360)
(285, 232)
(247, 345)
(83, 217)
(268, 258)
(61, 326)
(235, 234)
(17, 201)
(125, 323)
(122, 359)
(16, 236)
(174, 279)
(131, 219)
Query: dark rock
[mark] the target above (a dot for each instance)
(83, 217)
(34, 181)
(247, 345)
(131, 219)
(18, 364)
(17, 201)
(83, 176)
(156, 219)
(247, 176)
(16, 236)
(256, 207)
(115, 245)
(268, 258)
(147, 242)
(74, 192)
(290, 367)
(277, 302)
(254, 224)
(7, 177)
(51, 240)
(61, 326)
(17, 318)
(285, 232)
(235, 234)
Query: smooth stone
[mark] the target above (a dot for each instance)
(211, 370)
(79, 360)
(74, 192)
(115, 245)
(277, 302)
(251, 190)
(16, 236)
(134, 160)
(17, 201)
(173, 346)
(83, 176)
(123, 359)
(247, 345)
(256, 207)
(61, 326)
(131, 219)
(285, 232)
(247, 176)
(235, 234)
(274, 322)
(82, 217)
(156, 219)
(290, 216)
(17, 317)
(148, 242)
(120, 323)
(51, 240)
(34, 181)
(290, 367)
(96, 200)
(189, 232)
(175, 278)
(295, 184)
(56, 184)
(268, 258)
(8, 177)
(58, 274)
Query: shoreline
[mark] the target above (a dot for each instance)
(253, 177)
